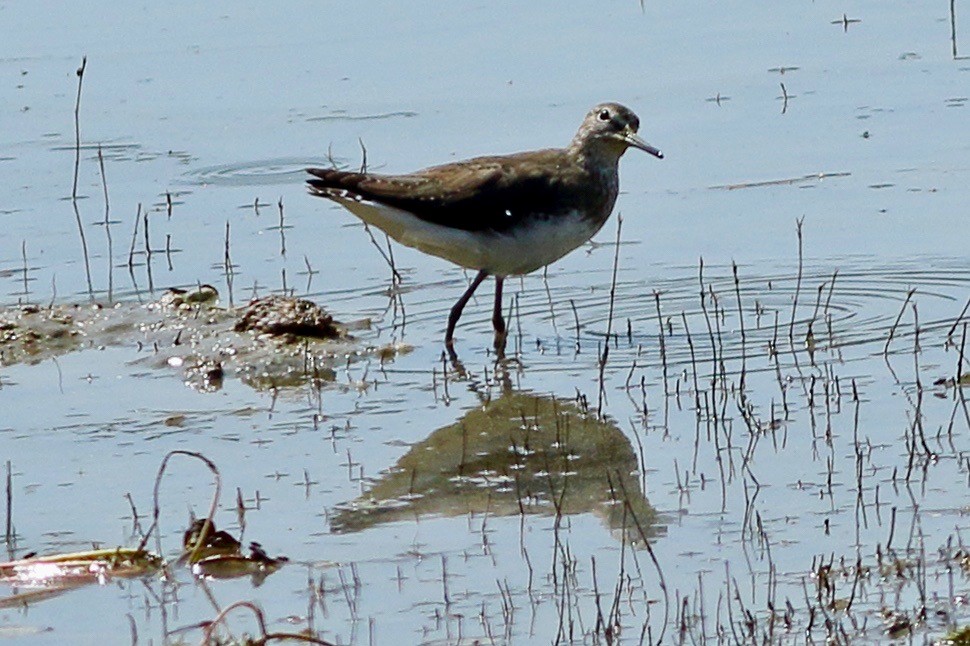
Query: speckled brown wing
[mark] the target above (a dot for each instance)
(487, 193)
(435, 185)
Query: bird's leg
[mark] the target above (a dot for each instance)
(497, 321)
(457, 309)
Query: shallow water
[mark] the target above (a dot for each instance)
(205, 115)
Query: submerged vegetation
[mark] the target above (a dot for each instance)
(763, 367)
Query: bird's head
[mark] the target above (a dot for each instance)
(611, 128)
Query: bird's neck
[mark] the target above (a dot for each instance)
(600, 163)
(597, 155)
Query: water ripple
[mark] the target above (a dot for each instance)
(262, 172)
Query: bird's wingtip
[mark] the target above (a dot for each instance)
(316, 187)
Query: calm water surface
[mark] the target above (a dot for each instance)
(767, 115)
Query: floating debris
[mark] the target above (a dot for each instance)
(959, 637)
(46, 576)
(214, 542)
(184, 299)
(220, 554)
(802, 179)
(257, 564)
(954, 382)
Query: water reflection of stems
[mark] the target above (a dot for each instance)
(264, 636)
(693, 366)
(351, 601)
(782, 387)
(960, 397)
(662, 582)
(572, 304)
(959, 376)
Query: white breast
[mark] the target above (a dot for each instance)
(525, 250)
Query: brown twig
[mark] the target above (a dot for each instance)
(264, 637)
(134, 238)
(77, 167)
(609, 319)
(156, 509)
(107, 223)
(9, 534)
(899, 317)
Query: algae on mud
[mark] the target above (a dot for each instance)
(272, 342)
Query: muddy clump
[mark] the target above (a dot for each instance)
(272, 342)
(288, 317)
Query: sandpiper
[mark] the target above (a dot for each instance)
(502, 215)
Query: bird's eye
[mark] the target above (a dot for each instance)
(604, 115)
